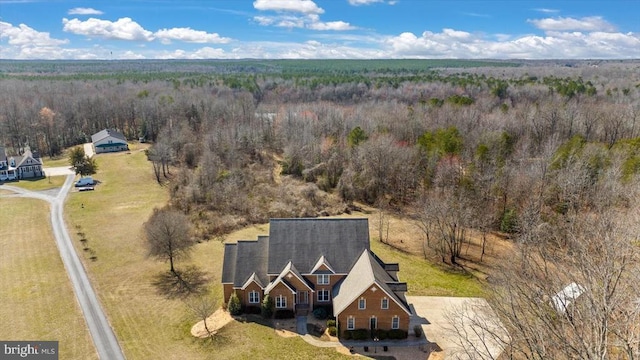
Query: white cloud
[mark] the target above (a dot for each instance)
(331, 25)
(590, 23)
(547, 11)
(121, 29)
(189, 35)
(301, 6)
(203, 53)
(309, 19)
(130, 55)
(264, 20)
(311, 22)
(23, 35)
(363, 2)
(84, 11)
(555, 45)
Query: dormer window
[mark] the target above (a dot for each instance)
(323, 279)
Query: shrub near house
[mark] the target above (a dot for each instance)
(318, 263)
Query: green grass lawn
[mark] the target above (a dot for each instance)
(41, 184)
(424, 278)
(36, 297)
(57, 161)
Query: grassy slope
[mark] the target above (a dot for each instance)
(36, 297)
(150, 326)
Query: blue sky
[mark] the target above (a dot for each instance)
(358, 29)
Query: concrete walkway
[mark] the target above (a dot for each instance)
(301, 325)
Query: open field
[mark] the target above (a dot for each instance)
(41, 184)
(36, 297)
(149, 325)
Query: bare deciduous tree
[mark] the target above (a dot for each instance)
(203, 306)
(168, 235)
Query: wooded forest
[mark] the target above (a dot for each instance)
(545, 152)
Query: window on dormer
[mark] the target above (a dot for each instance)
(323, 279)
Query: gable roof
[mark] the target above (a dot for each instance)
(319, 263)
(290, 268)
(252, 278)
(105, 134)
(245, 259)
(20, 161)
(304, 241)
(367, 271)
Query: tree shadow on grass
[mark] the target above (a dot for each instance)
(181, 283)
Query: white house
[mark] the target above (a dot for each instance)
(109, 140)
(25, 166)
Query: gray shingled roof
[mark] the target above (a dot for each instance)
(303, 241)
(106, 133)
(366, 272)
(229, 263)
(27, 155)
(251, 257)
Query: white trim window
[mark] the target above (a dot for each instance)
(384, 303)
(351, 323)
(324, 279)
(395, 322)
(323, 295)
(281, 302)
(362, 304)
(254, 297)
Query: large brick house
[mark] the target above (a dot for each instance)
(307, 263)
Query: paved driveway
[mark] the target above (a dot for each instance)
(88, 149)
(58, 171)
(103, 336)
(436, 316)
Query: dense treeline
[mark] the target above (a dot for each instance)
(548, 154)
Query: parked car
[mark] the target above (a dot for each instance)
(85, 181)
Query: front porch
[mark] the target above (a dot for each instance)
(302, 303)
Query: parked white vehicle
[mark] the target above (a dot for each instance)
(85, 181)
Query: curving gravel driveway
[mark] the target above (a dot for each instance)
(103, 337)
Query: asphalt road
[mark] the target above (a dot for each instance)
(101, 332)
